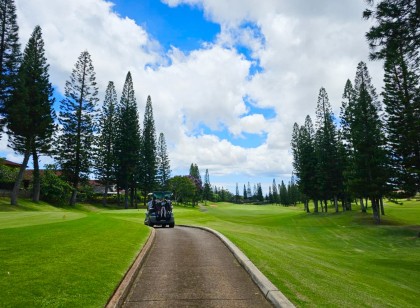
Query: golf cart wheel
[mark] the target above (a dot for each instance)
(172, 225)
(164, 226)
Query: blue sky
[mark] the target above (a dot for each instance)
(184, 26)
(228, 79)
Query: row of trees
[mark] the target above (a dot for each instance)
(342, 163)
(109, 142)
(371, 153)
(190, 188)
(277, 194)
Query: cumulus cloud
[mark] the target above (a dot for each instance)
(117, 44)
(205, 87)
(300, 47)
(295, 47)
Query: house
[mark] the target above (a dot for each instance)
(9, 163)
(99, 188)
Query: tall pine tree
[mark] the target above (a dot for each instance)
(402, 105)
(346, 150)
(196, 177)
(10, 56)
(237, 196)
(30, 117)
(105, 142)
(163, 163)
(207, 193)
(128, 142)
(326, 148)
(305, 162)
(77, 118)
(275, 192)
(369, 158)
(395, 39)
(148, 151)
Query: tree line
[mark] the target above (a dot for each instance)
(373, 148)
(82, 138)
(191, 188)
(282, 194)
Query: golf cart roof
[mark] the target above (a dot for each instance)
(161, 194)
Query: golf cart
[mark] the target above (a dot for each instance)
(159, 210)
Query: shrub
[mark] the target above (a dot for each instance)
(8, 176)
(85, 193)
(54, 189)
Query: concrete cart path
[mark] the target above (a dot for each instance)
(189, 267)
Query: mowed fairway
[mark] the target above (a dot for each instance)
(54, 257)
(326, 260)
(51, 257)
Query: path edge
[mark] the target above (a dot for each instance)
(126, 283)
(269, 290)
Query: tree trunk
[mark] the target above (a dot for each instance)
(105, 198)
(336, 203)
(36, 178)
(118, 196)
(315, 206)
(326, 205)
(15, 191)
(132, 195)
(126, 197)
(381, 203)
(343, 204)
(375, 210)
(362, 206)
(135, 199)
(73, 197)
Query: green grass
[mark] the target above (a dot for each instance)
(58, 257)
(75, 257)
(326, 260)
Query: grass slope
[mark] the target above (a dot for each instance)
(64, 258)
(326, 260)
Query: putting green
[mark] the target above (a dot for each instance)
(24, 219)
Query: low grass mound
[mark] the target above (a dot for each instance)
(326, 259)
(75, 263)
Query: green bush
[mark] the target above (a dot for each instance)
(53, 188)
(8, 176)
(85, 193)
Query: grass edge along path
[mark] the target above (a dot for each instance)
(338, 260)
(73, 263)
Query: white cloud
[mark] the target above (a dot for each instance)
(252, 124)
(303, 47)
(116, 44)
(300, 46)
(3, 142)
(205, 87)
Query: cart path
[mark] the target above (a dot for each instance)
(188, 267)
